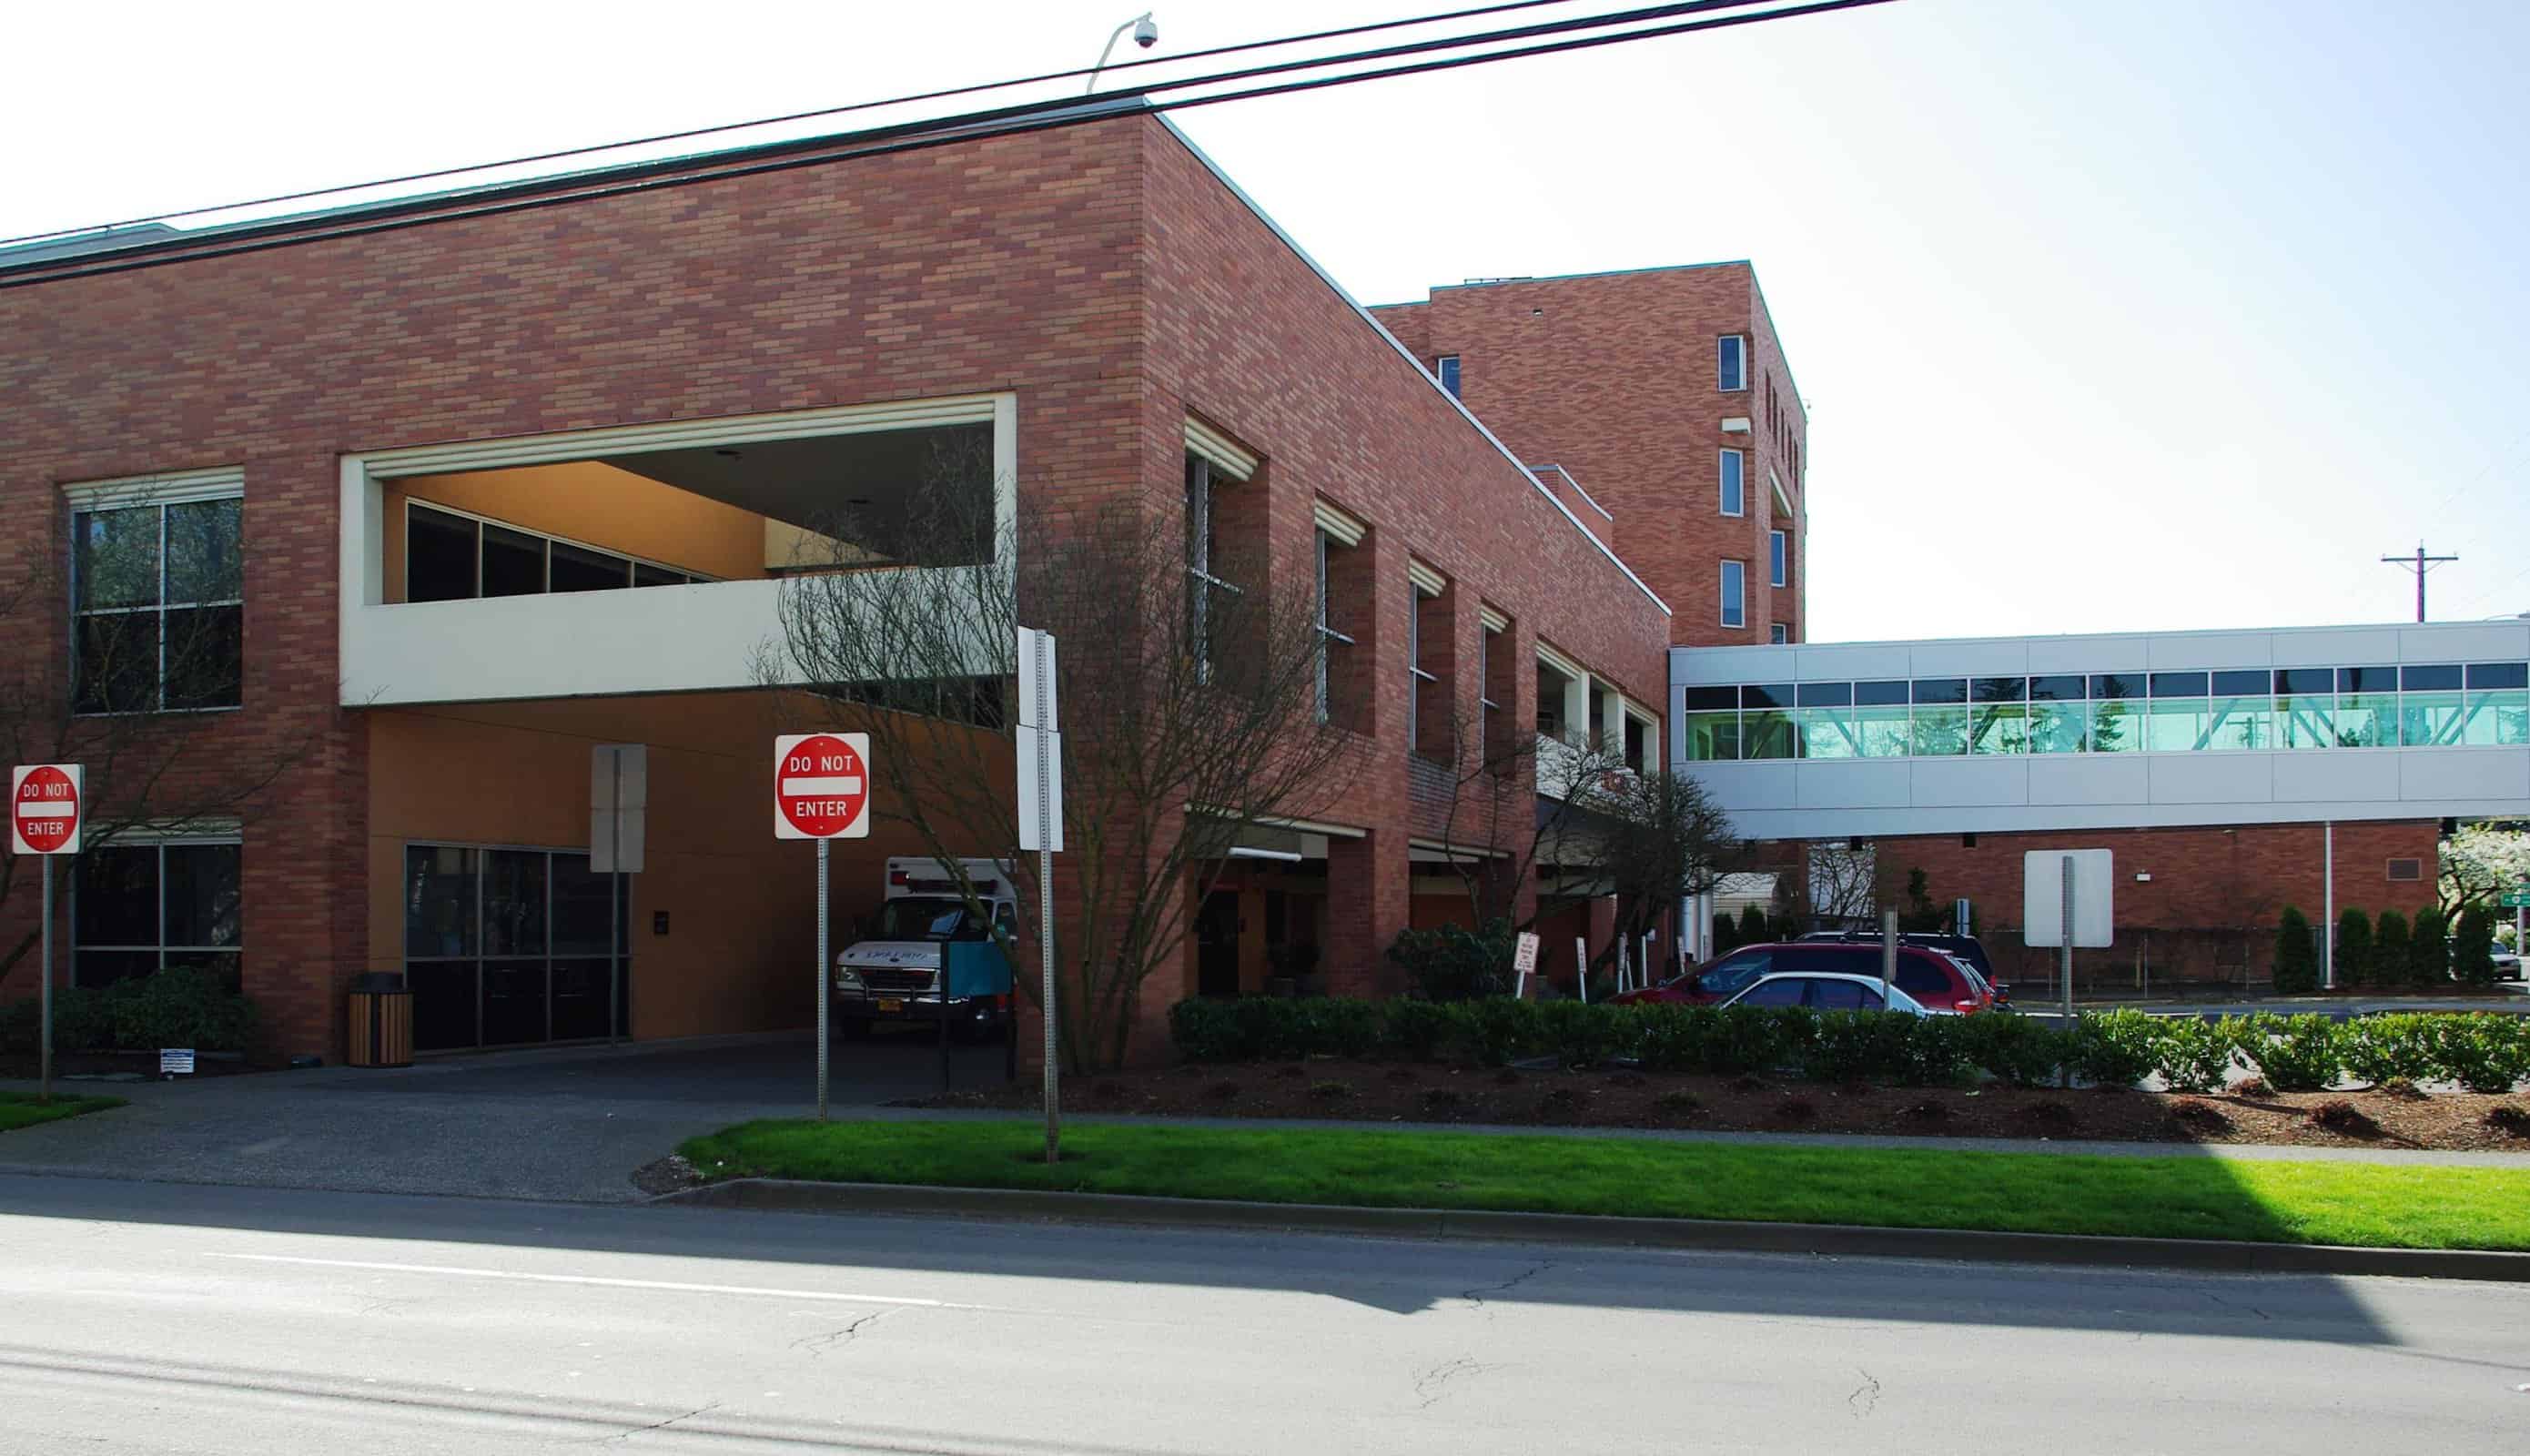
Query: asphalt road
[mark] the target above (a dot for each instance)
(154, 1318)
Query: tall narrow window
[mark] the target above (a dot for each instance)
(1732, 361)
(1332, 639)
(1734, 482)
(1431, 664)
(159, 591)
(1446, 366)
(1494, 745)
(1779, 549)
(1205, 590)
(1734, 594)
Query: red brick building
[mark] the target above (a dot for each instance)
(1663, 402)
(429, 435)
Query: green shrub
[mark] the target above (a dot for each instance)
(181, 1006)
(1456, 964)
(2391, 1047)
(2296, 956)
(2194, 1054)
(1415, 1029)
(1338, 1026)
(2115, 1048)
(2014, 1048)
(2388, 951)
(2294, 1053)
(2473, 947)
(2429, 950)
(1753, 928)
(1858, 1046)
(1208, 1030)
(1498, 1029)
(2353, 957)
(1585, 1035)
(1757, 1038)
(2481, 1051)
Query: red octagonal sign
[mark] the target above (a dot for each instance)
(821, 787)
(44, 809)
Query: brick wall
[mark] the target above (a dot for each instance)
(1613, 376)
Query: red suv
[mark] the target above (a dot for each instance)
(1941, 982)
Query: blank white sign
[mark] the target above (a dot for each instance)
(2041, 897)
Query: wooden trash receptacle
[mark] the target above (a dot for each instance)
(381, 1029)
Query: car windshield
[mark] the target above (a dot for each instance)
(926, 917)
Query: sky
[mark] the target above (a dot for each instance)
(2128, 314)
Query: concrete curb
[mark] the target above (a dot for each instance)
(2211, 1254)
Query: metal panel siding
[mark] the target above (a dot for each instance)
(2212, 777)
(2473, 642)
(2336, 647)
(2228, 650)
(2007, 657)
(1944, 782)
(1858, 783)
(2336, 775)
(2090, 778)
(2487, 774)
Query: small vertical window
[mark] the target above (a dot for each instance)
(1778, 634)
(1733, 362)
(1734, 482)
(1779, 555)
(1446, 366)
(1734, 594)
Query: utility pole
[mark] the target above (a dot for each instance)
(2419, 563)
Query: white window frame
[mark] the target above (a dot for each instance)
(1723, 482)
(1722, 348)
(1779, 558)
(1447, 370)
(1778, 634)
(1415, 675)
(160, 843)
(1326, 631)
(1201, 584)
(1734, 606)
(157, 493)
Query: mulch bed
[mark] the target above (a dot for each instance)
(1387, 1092)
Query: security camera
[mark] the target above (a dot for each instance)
(1145, 33)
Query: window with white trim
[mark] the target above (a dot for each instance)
(1447, 367)
(141, 908)
(158, 593)
(1778, 634)
(451, 555)
(1734, 482)
(1734, 594)
(1779, 551)
(1205, 590)
(1731, 362)
(1332, 641)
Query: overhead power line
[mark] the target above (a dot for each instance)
(392, 215)
(848, 108)
(2420, 563)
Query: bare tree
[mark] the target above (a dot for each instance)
(1843, 882)
(1649, 839)
(1499, 824)
(142, 619)
(1191, 710)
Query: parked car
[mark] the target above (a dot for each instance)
(2507, 964)
(1830, 991)
(1965, 947)
(1930, 977)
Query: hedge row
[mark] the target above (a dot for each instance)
(179, 1008)
(2483, 1052)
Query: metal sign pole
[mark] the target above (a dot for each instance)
(2066, 965)
(824, 995)
(1045, 910)
(1887, 954)
(44, 1058)
(615, 901)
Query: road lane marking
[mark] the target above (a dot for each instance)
(665, 1286)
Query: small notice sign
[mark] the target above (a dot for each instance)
(175, 1062)
(1524, 960)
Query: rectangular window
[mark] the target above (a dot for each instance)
(158, 592)
(1767, 728)
(1880, 719)
(449, 555)
(1732, 358)
(1734, 594)
(1778, 634)
(1826, 721)
(2497, 708)
(1205, 589)
(2175, 722)
(1446, 366)
(1333, 642)
(505, 947)
(2367, 708)
(1493, 745)
(2059, 713)
(1429, 702)
(1734, 482)
(2242, 712)
(1779, 551)
(138, 909)
(1710, 729)
(2000, 719)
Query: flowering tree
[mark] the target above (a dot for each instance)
(2482, 861)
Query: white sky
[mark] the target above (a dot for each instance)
(2144, 314)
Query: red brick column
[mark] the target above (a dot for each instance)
(1366, 907)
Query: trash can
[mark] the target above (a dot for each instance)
(382, 1020)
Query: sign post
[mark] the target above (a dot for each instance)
(1040, 823)
(45, 816)
(2067, 898)
(821, 792)
(618, 798)
(1524, 961)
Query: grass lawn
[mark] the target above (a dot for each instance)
(2319, 1203)
(21, 1109)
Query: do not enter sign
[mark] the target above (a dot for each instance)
(44, 809)
(821, 787)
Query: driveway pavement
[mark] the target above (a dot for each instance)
(570, 1124)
